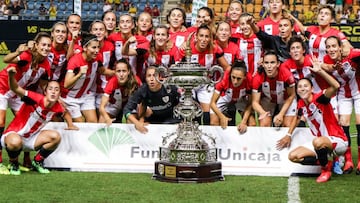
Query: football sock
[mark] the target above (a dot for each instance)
(322, 156)
(358, 154)
(347, 154)
(13, 155)
(347, 133)
(309, 160)
(42, 154)
(206, 118)
(358, 134)
(1, 132)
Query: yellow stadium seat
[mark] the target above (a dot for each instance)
(250, 8)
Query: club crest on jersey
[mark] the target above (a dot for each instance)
(165, 99)
(312, 107)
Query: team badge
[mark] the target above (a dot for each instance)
(165, 99)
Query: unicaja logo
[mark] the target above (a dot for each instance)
(105, 139)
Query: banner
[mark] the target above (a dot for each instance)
(121, 148)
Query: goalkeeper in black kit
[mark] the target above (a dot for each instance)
(152, 103)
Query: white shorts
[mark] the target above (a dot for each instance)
(346, 106)
(28, 142)
(271, 107)
(339, 145)
(76, 105)
(334, 104)
(13, 103)
(203, 93)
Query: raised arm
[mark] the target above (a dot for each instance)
(13, 83)
(333, 84)
(126, 50)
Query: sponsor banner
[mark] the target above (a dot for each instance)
(196, 5)
(121, 148)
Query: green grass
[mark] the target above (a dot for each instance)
(60, 186)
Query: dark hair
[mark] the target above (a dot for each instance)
(96, 21)
(41, 35)
(296, 86)
(209, 10)
(294, 39)
(336, 38)
(86, 38)
(206, 27)
(327, 6)
(106, 12)
(74, 14)
(238, 65)
(152, 49)
(181, 10)
(260, 69)
(131, 84)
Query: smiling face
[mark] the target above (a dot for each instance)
(99, 30)
(333, 48)
(235, 10)
(271, 65)
(74, 23)
(203, 17)
(110, 21)
(176, 19)
(223, 32)
(245, 27)
(203, 39)
(122, 73)
(304, 89)
(59, 33)
(43, 47)
(297, 51)
(91, 50)
(161, 37)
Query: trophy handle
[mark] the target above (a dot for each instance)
(161, 72)
(213, 70)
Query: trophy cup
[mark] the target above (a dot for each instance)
(185, 156)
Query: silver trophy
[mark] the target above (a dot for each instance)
(185, 156)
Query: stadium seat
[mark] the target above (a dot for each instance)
(93, 15)
(70, 6)
(27, 14)
(84, 15)
(94, 7)
(31, 5)
(61, 7)
(86, 6)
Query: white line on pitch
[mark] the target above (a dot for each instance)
(293, 190)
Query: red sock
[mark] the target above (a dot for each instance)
(38, 157)
(347, 155)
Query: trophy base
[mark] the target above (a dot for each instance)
(187, 173)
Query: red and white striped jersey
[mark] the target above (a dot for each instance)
(25, 74)
(31, 118)
(250, 51)
(320, 117)
(178, 38)
(230, 93)
(231, 52)
(165, 58)
(271, 27)
(274, 88)
(106, 51)
(206, 58)
(84, 84)
(347, 75)
(57, 59)
(317, 40)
